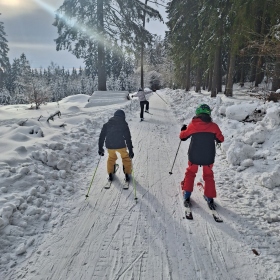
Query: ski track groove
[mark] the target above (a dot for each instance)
(111, 237)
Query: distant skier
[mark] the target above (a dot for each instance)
(117, 137)
(203, 132)
(143, 101)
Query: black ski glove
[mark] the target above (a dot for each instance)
(101, 152)
(131, 154)
(184, 127)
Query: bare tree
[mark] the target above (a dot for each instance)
(38, 93)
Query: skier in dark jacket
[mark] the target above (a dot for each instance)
(116, 135)
(203, 133)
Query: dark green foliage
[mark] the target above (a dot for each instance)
(235, 38)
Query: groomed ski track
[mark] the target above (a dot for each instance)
(110, 236)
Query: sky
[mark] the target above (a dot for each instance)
(50, 230)
(29, 29)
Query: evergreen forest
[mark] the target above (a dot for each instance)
(208, 45)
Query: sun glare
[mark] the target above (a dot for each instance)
(13, 3)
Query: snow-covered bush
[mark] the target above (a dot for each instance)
(154, 79)
(38, 93)
(5, 97)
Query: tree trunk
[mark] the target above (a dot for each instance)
(262, 25)
(206, 81)
(259, 71)
(210, 78)
(219, 70)
(242, 80)
(218, 57)
(228, 63)
(253, 69)
(229, 84)
(188, 71)
(276, 76)
(101, 48)
(198, 79)
(215, 78)
(142, 50)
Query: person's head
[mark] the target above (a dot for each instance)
(203, 112)
(140, 89)
(203, 109)
(119, 113)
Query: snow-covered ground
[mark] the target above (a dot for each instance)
(48, 230)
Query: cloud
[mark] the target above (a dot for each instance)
(20, 45)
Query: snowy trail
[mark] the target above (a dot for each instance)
(112, 237)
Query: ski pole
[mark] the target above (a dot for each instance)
(175, 157)
(161, 98)
(133, 182)
(93, 177)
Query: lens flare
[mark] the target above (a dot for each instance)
(91, 32)
(12, 3)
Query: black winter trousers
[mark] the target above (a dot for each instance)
(142, 104)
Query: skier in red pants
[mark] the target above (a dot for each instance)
(203, 132)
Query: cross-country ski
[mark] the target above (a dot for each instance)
(211, 204)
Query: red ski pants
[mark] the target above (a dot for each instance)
(208, 177)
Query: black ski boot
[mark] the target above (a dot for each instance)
(210, 202)
(127, 178)
(110, 178)
(187, 202)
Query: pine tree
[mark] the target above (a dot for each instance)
(209, 39)
(83, 23)
(4, 60)
(23, 76)
(116, 61)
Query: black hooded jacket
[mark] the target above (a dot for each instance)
(116, 133)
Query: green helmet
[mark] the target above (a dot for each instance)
(203, 109)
